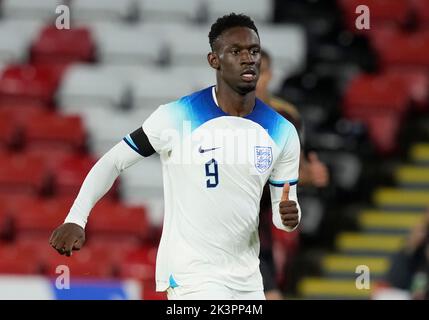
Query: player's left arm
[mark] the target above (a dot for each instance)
(283, 184)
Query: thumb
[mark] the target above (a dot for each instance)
(312, 157)
(285, 194)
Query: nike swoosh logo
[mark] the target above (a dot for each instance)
(201, 150)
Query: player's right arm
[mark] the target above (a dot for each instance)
(70, 235)
(141, 143)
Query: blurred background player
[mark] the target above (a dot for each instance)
(311, 171)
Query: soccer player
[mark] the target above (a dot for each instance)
(311, 172)
(210, 245)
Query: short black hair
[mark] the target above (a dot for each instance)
(229, 21)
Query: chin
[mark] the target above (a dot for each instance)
(246, 87)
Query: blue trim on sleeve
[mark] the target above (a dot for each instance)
(282, 183)
(132, 146)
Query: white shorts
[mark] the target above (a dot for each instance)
(212, 291)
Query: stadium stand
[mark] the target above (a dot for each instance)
(53, 46)
(261, 11)
(35, 10)
(67, 96)
(15, 49)
(109, 10)
(35, 216)
(17, 260)
(168, 11)
(122, 44)
(421, 10)
(22, 174)
(55, 132)
(89, 86)
(381, 222)
(35, 84)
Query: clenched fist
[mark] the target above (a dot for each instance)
(67, 237)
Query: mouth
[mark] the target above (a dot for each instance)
(248, 75)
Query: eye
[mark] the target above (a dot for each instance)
(235, 52)
(255, 51)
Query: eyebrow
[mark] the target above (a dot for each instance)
(241, 46)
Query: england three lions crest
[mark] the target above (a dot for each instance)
(263, 158)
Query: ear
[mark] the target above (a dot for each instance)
(213, 60)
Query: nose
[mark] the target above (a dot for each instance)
(246, 57)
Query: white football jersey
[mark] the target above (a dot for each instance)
(215, 167)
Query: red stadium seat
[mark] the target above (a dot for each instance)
(115, 219)
(149, 292)
(12, 121)
(114, 253)
(89, 261)
(29, 84)
(71, 172)
(93, 260)
(55, 132)
(22, 174)
(39, 242)
(383, 130)
(140, 265)
(37, 218)
(381, 101)
(10, 201)
(395, 12)
(51, 157)
(19, 260)
(63, 46)
(84, 263)
(416, 81)
(421, 10)
(40, 216)
(396, 48)
(30, 257)
(116, 249)
(9, 132)
(5, 221)
(21, 114)
(371, 94)
(9, 207)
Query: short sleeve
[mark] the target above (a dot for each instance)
(159, 129)
(286, 168)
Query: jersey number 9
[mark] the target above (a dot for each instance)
(212, 173)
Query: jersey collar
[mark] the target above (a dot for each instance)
(216, 104)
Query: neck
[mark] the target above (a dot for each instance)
(233, 103)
